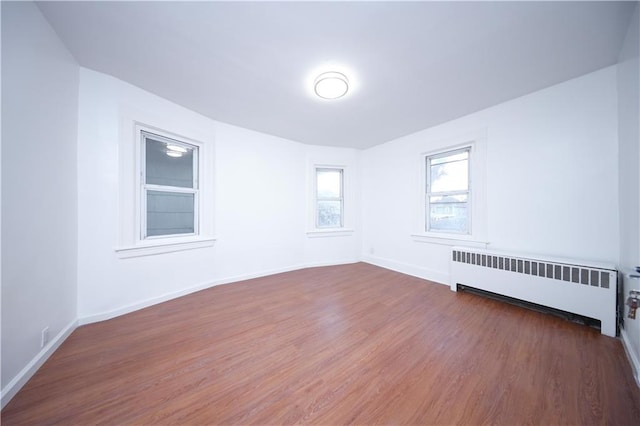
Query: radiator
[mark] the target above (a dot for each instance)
(581, 288)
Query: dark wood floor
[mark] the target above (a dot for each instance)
(345, 344)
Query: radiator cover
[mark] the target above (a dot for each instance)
(579, 287)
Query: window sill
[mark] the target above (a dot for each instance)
(449, 240)
(164, 246)
(337, 232)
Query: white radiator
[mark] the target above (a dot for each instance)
(582, 288)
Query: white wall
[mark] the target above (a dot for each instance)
(551, 188)
(39, 188)
(551, 180)
(629, 176)
(260, 203)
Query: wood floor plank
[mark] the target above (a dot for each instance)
(350, 344)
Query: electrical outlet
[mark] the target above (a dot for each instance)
(45, 337)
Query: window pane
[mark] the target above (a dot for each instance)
(329, 214)
(329, 183)
(450, 173)
(170, 213)
(448, 217)
(166, 166)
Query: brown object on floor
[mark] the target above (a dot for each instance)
(333, 345)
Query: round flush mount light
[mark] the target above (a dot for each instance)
(174, 154)
(331, 85)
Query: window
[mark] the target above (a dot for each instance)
(169, 196)
(448, 192)
(329, 198)
(329, 184)
(166, 186)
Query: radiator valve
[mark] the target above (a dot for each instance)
(633, 302)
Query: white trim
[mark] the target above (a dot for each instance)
(347, 199)
(408, 269)
(14, 386)
(202, 286)
(321, 264)
(132, 122)
(164, 245)
(631, 355)
(143, 304)
(449, 240)
(32, 367)
(334, 232)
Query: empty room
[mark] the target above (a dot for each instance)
(320, 213)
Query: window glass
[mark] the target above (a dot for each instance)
(329, 199)
(450, 173)
(448, 192)
(169, 164)
(329, 214)
(170, 213)
(329, 183)
(169, 187)
(448, 217)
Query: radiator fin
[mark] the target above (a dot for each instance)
(578, 275)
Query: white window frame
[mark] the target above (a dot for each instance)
(476, 141)
(145, 187)
(348, 203)
(131, 243)
(468, 192)
(318, 198)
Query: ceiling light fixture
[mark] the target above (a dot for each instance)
(331, 85)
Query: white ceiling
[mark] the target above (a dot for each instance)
(413, 65)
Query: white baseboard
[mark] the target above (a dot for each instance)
(103, 316)
(30, 369)
(409, 269)
(336, 263)
(633, 358)
(202, 286)
(441, 278)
